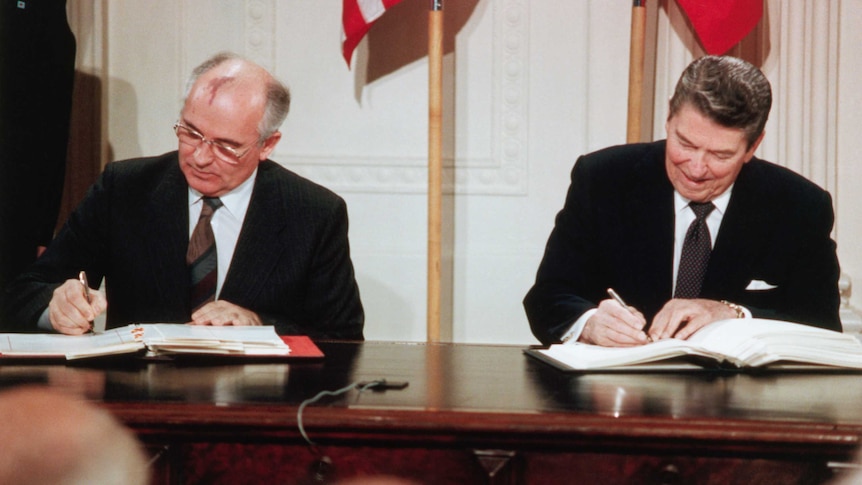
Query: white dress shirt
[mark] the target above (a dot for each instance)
(226, 222)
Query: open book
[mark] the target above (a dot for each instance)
(735, 343)
(152, 338)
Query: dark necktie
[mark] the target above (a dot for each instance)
(695, 253)
(202, 258)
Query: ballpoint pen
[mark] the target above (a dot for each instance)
(82, 277)
(619, 300)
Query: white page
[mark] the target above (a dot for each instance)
(757, 342)
(742, 342)
(179, 332)
(23, 344)
(585, 356)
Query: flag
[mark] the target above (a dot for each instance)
(357, 16)
(721, 24)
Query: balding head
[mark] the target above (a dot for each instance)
(229, 74)
(53, 437)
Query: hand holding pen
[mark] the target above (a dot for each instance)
(619, 300)
(615, 324)
(74, 306)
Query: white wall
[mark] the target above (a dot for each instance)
(529, 85)
(848, 196)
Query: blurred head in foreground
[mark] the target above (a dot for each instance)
(52, 437)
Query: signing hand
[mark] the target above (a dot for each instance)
(222, 313)
(614, 325)
(680, 318)
(70, 312)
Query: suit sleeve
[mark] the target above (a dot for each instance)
(565, 284)
(80, 245)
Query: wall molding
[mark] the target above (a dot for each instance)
(502, 171)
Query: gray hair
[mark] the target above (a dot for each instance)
(277, 94)
(727, 90)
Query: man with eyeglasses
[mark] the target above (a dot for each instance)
(214, 233)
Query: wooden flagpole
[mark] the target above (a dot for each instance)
(636, 70)
(435, 164)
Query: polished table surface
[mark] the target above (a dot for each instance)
(473, 395)
(467, 378)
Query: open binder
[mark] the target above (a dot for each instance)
(159, 339)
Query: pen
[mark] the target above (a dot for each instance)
(620, 300)
(82, 277)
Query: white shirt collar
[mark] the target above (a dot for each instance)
(720, 202)
(236, 201)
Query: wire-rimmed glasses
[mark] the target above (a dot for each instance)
(193, 138)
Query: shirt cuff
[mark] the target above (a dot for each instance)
(44, 322)
(574, 332)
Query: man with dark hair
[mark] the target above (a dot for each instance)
(214, 233)
(688, 230)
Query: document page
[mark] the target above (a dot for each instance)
(158, 338)
(757, 342)
(228, 340)
(581, 356)
(51, 345)
(743, 343)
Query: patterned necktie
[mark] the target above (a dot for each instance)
(695, 253)
(202, 258)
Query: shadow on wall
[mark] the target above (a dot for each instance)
(87, 137)
(84, 156)
(400, 38)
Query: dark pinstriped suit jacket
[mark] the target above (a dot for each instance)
(291, 264)
(616, 230)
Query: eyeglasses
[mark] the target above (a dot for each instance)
(193, 138)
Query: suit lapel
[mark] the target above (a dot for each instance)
(165, 226)
(260, 243)
(747, 220)
(652, 205)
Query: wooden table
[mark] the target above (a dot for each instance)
(471, 414)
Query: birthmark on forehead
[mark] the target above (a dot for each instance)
(215, 85)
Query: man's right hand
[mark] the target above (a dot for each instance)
(614, 325)
(70, 312)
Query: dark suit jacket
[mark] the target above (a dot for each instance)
(291, 264)
(616, 230)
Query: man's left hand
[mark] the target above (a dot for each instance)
(681, 318)
(222, 313)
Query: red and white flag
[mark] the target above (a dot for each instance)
(721, 24)
(357, 16)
